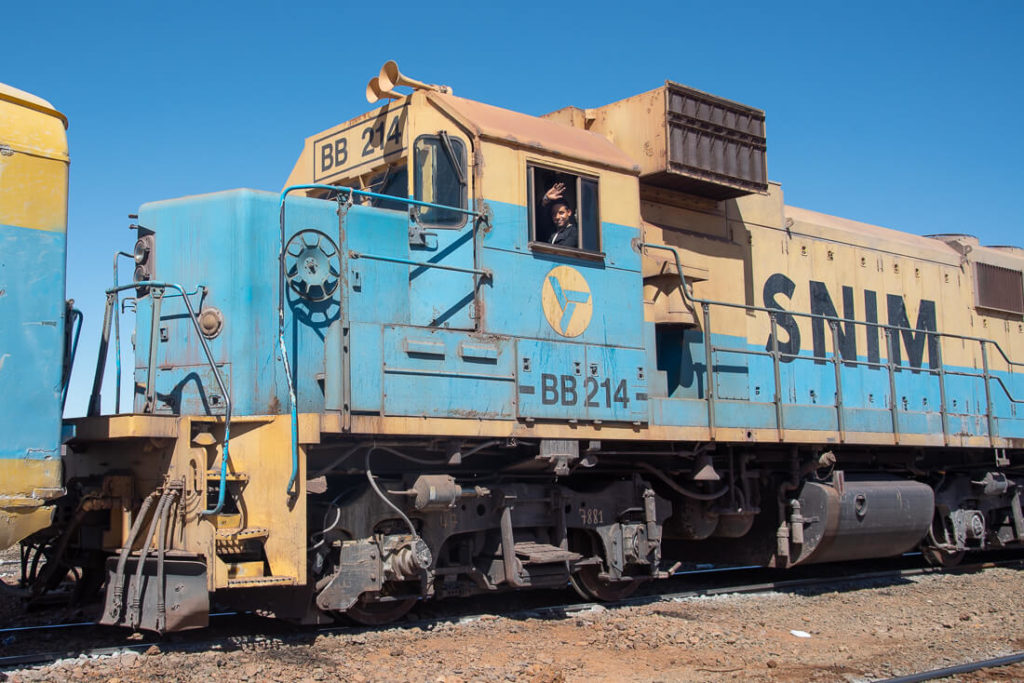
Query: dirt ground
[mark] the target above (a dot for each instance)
(855, 634)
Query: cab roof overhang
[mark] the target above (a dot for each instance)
(533, 133)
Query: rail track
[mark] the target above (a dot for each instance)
(968, 667)
(234, 631)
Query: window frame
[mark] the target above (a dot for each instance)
(463, 199)
(534, 199)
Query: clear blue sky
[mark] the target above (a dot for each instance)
(902, 114)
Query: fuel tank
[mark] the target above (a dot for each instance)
(855, 519)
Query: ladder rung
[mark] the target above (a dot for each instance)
(241, 534)
(214, 475)
(262, 581)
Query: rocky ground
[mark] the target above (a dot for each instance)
(857, 633)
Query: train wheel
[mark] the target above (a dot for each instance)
(937, 557)
(379, 613)
(587, 581)
(590, 586)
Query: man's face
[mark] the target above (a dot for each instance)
(561, 215)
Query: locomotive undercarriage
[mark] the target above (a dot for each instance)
(381, 525)
(384, 539)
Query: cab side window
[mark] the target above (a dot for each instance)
(394, 182)
(563, 211)
(440, 178)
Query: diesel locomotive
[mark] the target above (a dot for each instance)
(468, 350)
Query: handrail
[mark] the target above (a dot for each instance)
(348, 193)
(890, 332)
(117, 335)
(483, 272)
(158, 288)
(827, 318)
(70, 350)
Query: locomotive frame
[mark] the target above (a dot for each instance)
(386, 383)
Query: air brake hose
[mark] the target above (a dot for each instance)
(161, 606)
(136, 592)
(696, 495)
(122, 561)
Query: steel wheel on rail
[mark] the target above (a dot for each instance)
(937, 548)
(937, 557)
(378, 613)
(587, 581)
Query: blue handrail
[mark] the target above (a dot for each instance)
(216, 374)
(347, 193)
(117, 335)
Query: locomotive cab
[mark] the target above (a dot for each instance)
(562, 316)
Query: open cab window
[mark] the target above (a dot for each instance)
(440, 177)
(563, 212)
(391, 179)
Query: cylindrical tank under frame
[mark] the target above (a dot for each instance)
(854, 518)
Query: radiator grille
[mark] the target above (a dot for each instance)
(1001, 289)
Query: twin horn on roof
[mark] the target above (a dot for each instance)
(382, 86)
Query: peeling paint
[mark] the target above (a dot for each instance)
(4, 358)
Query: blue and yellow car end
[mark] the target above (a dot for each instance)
(33, 225)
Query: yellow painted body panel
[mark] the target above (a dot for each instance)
(33, 162)
(838, 252)
(498, 155)
(28, 486)
(374, 425)
(158, 449)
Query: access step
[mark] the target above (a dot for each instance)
(542, 553)
(214, 475)
(246, 534)
(232, 541)
(262, 581)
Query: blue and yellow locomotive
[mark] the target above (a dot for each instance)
(469, 350)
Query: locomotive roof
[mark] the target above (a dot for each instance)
(504, 125)
(942, 248)
(876, 237)
(25, 99)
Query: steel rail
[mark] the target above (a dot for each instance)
(71, 349)
(957, 669)
(544, 611)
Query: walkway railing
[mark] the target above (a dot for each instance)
(892, 341)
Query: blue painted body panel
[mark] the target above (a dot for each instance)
(585, 382)
(418, 347)
(228, 242)
(31, 341)
(443, 373)
(406, 355)
(808, 391)
(443, 298)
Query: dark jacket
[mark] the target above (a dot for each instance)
(567, 237)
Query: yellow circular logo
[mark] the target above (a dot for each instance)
(565, 297)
